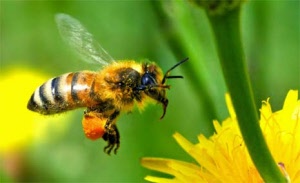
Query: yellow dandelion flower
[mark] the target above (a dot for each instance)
(18, 125)
(224, 157)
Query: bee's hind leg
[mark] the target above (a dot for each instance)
(111, 121)
(111, 133)
(113, 139)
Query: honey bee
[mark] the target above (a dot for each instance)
(106, 93)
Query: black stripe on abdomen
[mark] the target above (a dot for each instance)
(55, 90)
(73, 87)
(45, 101)
(32, 105)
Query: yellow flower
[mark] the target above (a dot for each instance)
(224, 158)
(18, 125)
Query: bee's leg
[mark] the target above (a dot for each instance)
(113, 140)
(117, 140)
(110, 120)
(111, 133)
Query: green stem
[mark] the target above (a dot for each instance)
(227, 33)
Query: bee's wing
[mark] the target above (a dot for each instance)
(83, 42)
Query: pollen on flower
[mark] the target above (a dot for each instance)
(223, 157)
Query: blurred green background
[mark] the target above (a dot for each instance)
(144, 30)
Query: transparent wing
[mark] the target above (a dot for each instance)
(83, 42)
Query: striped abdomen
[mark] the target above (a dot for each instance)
(66, 92)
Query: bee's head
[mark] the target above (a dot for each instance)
(153, 84)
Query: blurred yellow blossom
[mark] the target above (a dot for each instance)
(18, 125)
(224, 157)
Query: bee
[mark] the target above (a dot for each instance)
(106, 93)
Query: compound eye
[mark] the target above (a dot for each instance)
(148, 79)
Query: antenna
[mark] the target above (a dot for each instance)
(166, 76)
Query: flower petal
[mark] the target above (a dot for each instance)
(290, 100)
(230, 106)
(186, 172)
(183, 142)
(161, 180)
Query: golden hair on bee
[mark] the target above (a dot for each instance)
(104, 94)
